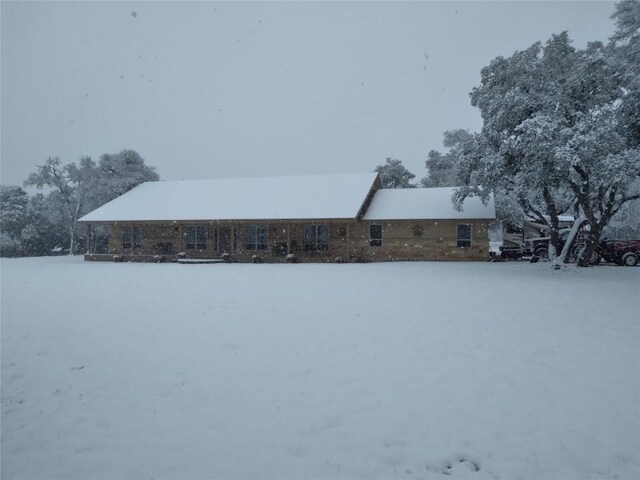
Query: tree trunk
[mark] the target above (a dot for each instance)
(73, 239)
(592, 244)
(554, 242)
(88, 240)
(568, 245)
(554, 227)
(74, 226)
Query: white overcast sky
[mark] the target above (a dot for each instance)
(209, 89)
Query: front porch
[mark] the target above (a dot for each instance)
(191, 242)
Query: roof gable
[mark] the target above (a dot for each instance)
(290, 198)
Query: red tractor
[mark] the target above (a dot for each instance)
(621, 252)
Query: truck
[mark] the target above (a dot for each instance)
(538, 248)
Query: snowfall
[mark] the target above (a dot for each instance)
(322, 371)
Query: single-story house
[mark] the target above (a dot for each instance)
(314, 218)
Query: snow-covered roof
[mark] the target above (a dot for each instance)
(561, 218)
(425, 204)
(293, 197)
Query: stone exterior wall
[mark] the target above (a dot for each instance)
(421, 240)
(348, 241)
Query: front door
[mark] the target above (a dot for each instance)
(225, 239)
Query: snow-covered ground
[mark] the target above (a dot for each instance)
(389, 370)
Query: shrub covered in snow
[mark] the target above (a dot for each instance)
(291, 258)
(9, 247)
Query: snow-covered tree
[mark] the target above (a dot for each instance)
(600, 153)
(465, 165)
(626, 223)
(394, 175)
(440, 171)
(13, 210)
(76, 189)
(70, 185)
(625, 56)
(44, 229)
(26, 223)
(627, 34)
(13, 218)
(443, 168)
(601, 167)
(553, 133)
(521, 99)
(117, 174)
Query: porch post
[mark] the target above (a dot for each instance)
(88, 239)
(233, 239)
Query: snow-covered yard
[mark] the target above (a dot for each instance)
(396, 370)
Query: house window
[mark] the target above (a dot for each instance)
(196, 237)
(316, 238)
(131, 236)
(463, 235)
(127, 235)
(255, 237)
(375, 235)
(137, 237)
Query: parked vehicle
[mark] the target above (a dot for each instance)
(514, 239)
(620, 252)
(538, 248)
